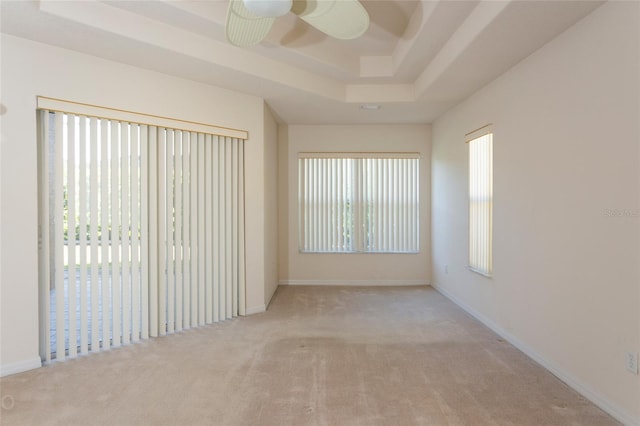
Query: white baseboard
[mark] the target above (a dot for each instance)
(355, 283)
(583, 389)
(19, 367)
(255, 310)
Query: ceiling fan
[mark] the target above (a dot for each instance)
(249, 21)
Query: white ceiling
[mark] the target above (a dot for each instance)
(416, 60)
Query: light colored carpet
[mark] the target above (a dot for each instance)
(318, 356)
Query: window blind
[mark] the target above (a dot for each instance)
(141, 231)
(358, 202)
(481, 201)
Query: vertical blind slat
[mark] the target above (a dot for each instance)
(58, 232)
(154, 225)
(379, 204)
(116, 235)
(218, 228)
(340, 206)
(163, 239)
(234, 234)
(170, 230)
(241, 243)
(93, 240)
(178, 230)
(201, 232)
(145, 226)
(209, 232)
(105, 228)
(228, 229)
(71, 236)
(193, 184)
(321, 192)
(186, 235)
(82, 222)
(224, 230)
(135, 232)
(126, 228)
(334, 205)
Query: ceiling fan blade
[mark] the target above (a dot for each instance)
(243, 28)
(342, 19)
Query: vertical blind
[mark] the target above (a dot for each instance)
(141, 231)
(358, 203)
(481, 201)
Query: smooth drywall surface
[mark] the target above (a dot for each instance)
(357, 269)
(30, 69)
(566, 284)
(283, 201)
(271, 205)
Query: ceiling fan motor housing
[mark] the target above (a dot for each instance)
(268, 8)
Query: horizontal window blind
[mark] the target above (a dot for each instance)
(141, 231)
(481, 201)
(358, 202)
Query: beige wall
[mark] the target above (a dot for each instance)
(370, 269)
(30, 69)
(566, 285)
(271, 205)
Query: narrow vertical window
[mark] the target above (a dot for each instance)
(480, 200)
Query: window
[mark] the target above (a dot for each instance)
(480, 200)
(141, 228)
(358, 203)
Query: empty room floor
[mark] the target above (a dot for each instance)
(318, 356)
